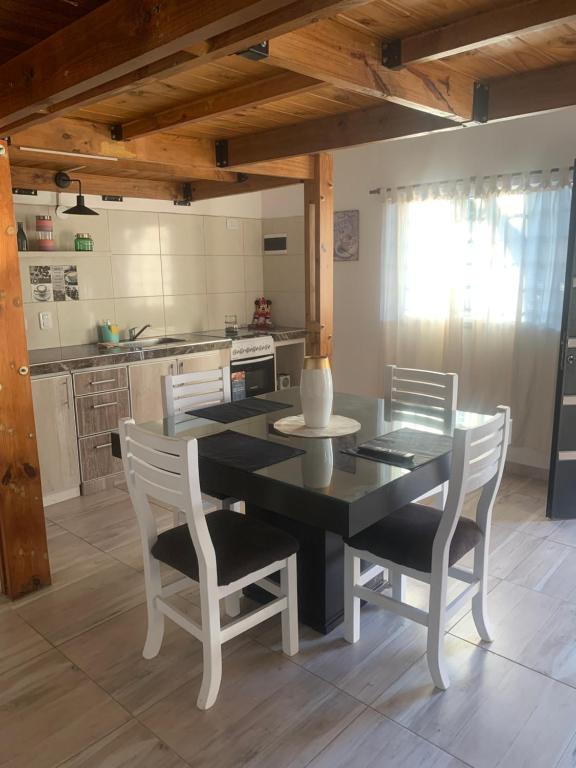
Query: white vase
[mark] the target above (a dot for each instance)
(316, 392)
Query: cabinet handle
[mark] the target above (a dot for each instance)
(180, 366)
(104, 445)
(106, 405)
(67, 401)
(102, 381)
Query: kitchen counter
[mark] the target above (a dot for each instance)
(66, 359)
(278, 333)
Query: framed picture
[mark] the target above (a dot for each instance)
(346, 235)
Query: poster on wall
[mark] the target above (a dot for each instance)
(54, 283)
(346, 235)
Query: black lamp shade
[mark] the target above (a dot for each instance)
(80, 209)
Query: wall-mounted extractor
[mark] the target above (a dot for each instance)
(275, 243)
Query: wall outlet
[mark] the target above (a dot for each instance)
(45, 319)
(232, 224)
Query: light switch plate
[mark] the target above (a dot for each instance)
(45, 319)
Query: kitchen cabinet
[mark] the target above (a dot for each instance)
(204, 361)
(56, 437)
(146, 388)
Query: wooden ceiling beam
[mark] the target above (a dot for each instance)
(64, 67)
(220, 103)
(178, 156)
(352, 59)
(389, 121)
(494, 26)
(529, 93)
(154, 189)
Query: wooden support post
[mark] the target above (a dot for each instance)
(23, 548)
(319, 249)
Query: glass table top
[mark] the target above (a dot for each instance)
(323, 469)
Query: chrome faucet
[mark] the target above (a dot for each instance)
(133, 333)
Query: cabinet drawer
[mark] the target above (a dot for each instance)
(101, 412)
(91, 382)
(96, 458)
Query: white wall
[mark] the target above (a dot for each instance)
(532, 143)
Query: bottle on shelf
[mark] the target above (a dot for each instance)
(21, 238)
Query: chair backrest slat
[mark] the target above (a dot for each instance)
(429, 393)
(189, 391)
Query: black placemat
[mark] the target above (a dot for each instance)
(244, 451)
(241, 409)
(424, 445)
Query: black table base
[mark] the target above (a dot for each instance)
(320, 571)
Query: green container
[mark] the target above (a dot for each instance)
(83, 242)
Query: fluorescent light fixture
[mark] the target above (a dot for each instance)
(68, 154)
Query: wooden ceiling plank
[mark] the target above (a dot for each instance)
(388, 121)
(351, 59)
(220, 103)
(494, 26)
(299, 168)
(135, 36)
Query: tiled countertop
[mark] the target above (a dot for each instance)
(67, 359)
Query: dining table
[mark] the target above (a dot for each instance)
(322, 494)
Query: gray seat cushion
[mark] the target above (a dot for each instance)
(242, 545)
(406, 537)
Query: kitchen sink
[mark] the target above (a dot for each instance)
(155, 342)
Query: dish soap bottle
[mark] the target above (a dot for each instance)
(21, 238)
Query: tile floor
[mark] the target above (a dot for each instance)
(75, 691)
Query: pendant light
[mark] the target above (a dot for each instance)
(80, 209)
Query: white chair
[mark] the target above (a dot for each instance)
(223, 552)
(427, 397)
(188, 392)
(425, 543)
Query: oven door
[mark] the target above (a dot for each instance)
(252, 377)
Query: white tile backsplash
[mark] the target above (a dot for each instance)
(183, 274)
(224, 237)
(186, 314)
(134, 232)
(136, 275)
(225, 274)
(180, 273)
(181, 234)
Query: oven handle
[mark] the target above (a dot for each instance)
(251, 360)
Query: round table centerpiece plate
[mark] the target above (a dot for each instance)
(338, 426)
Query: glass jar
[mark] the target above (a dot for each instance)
(44, 233)
(83, 242)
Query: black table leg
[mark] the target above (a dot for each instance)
(320, 571)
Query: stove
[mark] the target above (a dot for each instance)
(243, 333)
(252, 366)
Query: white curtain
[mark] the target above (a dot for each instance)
(473, 276)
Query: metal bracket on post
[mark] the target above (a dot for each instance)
(241, 178)
(186, 194)
(116, 132)
(221, 146)
(480, 103)
(255, 52)
(392, 54)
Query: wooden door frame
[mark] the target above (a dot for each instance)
(23, 547)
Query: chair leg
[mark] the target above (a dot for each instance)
(155, 633)
(289, 588)
(232, 604)
(436, 630)
(480, 600)
(398, 582)
(212, 652)
(351, 603)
